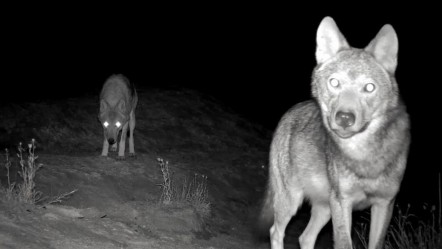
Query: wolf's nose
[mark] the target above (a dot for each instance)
(111, 141)
(345, 119)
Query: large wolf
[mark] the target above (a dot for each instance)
(345, 149)
(118, 100)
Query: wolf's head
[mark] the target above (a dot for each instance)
(112, 119)
(354, 87)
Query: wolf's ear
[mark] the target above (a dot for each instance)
(384, 47)
(329, 40)
(103, 106)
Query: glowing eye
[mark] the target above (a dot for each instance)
(105, 123)
(118, 124)
(369, 87)
(334, 82)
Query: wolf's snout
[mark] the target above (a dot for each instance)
(111, 141)
(345, 119)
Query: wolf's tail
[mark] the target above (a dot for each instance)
(266, 216)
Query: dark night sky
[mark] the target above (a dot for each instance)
(256, 59)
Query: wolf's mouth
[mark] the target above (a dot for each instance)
(349, 132)
(343, 133)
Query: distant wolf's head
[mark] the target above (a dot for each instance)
(354, 87)
(112, 119)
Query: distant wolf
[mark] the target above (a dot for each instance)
(118, 100)
(346, 148)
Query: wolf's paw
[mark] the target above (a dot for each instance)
(132, 155)
(121, 158)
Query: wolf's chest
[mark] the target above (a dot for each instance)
(365, 191)
(363, 157)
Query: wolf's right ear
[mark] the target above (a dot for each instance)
(121, 105)
(329, 40)
(103, 106)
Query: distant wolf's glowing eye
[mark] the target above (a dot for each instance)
(118, 124)
(369, 87)
(334, 82)
(106, 124)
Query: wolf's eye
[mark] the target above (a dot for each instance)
(334, 82)
(118, 124)
(369, 87)
(106, 124)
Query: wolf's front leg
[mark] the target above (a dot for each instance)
(341, 210)
(381, 212)
(122, 142)
(105, 147)
(131, 134)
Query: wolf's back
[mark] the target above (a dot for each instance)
(117, 87)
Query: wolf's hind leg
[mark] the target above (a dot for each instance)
(320, 215)
(285, 208)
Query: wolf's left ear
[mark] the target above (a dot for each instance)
(384, 47)
(329, 40)
(103, 106)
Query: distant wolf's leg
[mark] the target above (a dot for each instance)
(131, 134)
(320, 215)
(105, 147)
(380, 219)
(341, 209)
(123, 141)
(285, 207)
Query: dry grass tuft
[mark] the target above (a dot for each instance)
(193, 192)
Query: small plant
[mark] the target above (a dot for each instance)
(59, 198)
(9, 191)
(25, 191)
(193, 192)
(196, 193)
(167, 192)
(362, 233)
(29, 167)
